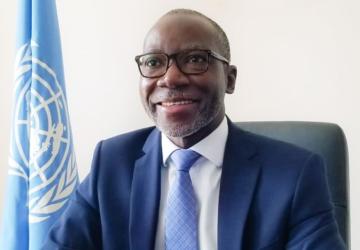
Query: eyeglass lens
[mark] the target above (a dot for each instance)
(189, 62)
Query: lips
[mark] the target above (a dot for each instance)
(173, 103)
(177, 108)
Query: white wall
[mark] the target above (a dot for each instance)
(297, 60)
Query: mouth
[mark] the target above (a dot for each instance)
(176, 102)
(180, 106)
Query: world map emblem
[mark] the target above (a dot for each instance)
(42, 152)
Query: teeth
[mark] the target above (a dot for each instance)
(168, 104)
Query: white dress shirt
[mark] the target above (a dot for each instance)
(205, 176)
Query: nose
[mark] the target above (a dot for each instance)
(173, 77)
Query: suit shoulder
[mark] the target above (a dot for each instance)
(277, 144)
(127, 142)
(280, 160)
(276, 149)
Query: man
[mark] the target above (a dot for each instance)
(243, 191)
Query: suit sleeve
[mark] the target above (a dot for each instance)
(312, 223)
(79, 226)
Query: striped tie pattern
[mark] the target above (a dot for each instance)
(181, 220)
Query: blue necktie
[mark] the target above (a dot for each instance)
(181, 220)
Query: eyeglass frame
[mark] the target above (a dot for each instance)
(209, 52)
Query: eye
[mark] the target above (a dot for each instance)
(153, 61)
(196, 58)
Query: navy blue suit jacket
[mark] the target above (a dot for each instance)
(272, 196)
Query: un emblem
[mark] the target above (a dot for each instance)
(42, 152)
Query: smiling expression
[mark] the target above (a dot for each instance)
(186, 107)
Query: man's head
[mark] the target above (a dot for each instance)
(219, 32)
(184, 93)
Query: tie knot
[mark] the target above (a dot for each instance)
(184, 158)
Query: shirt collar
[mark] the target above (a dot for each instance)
(211, 147)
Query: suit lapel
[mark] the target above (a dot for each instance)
(238, 182)
(145, 194)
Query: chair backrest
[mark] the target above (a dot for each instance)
(329, 141)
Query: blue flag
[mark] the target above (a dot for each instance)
(42, 173)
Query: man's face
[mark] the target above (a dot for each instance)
(182, 105)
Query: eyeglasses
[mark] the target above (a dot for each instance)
(189, 62)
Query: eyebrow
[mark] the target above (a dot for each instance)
(194, 46)
(188, 47)
(151, 50)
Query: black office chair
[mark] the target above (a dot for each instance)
(326, 139)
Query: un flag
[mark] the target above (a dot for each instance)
(42, 167)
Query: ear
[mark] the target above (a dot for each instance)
(231, 79)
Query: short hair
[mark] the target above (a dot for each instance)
(222, 37)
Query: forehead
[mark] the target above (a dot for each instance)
(173, 33)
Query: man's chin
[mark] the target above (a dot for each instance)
(177, 133)
(182, 130)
